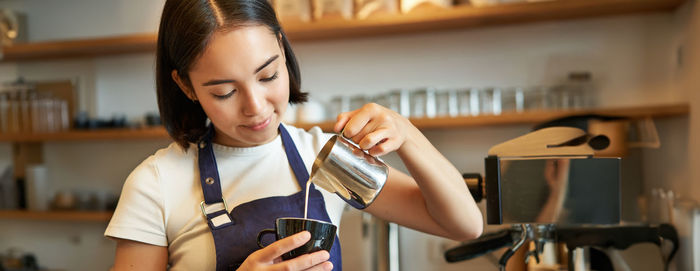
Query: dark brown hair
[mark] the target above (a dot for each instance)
(185, 29)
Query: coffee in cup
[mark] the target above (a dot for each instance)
(322, 235)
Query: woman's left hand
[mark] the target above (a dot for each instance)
(375, 128)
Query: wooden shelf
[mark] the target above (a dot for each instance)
(530, 117)
(137, 43)
(80, 135)
(422, 123)
(84, 216)
(466, 16)
(457, 17)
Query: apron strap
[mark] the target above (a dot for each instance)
(211, 185)
(208, 172)
(294, 158)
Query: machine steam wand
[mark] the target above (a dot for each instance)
(524, 235)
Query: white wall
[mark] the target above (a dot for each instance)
(74, 19)
(632, 59)
(628, 62)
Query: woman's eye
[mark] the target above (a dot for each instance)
(268, 79)
(221, 97)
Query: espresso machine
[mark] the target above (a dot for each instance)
(550, 187)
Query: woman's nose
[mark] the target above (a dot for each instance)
(253, 103)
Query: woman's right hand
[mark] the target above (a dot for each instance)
(270, 257)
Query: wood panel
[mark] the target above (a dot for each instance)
(458, 17)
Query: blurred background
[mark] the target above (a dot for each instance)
(78, 107)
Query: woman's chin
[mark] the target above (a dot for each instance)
(261, 138)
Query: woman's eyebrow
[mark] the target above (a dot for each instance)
(266, 63)
(217, 82)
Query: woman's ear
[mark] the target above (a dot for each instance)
(184, 87)
(280, 43)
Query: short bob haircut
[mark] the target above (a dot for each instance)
(186, 27)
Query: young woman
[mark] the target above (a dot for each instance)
(225, 75)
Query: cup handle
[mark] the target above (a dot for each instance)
(260, 235)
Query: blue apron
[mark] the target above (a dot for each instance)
(235, 233)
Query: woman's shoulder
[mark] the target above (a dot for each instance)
(175, 151)
(172, 156)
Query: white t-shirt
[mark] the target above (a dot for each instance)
(160, 200)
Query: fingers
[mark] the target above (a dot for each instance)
(373, 128)
(380, 142)
(342, 120)
(276, 249)
(314, 261)
(368, 128)
(356, 121)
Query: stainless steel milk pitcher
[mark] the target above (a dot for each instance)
(345, 169)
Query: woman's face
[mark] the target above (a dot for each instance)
(242, 83)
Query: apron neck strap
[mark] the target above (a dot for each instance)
(208, 172)
(294, 158)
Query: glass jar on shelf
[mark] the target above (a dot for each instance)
(4, 113)
(579, 88)
(559, 98)
(381, 99)
(423, 103)
(357, 101)
(14, 113)
(468, 102)
(490, 101)
(337, 105)
(50, 118)
(512, 100)
(399, 100)
(24, 116)
(37, 109)
(536, 98)
(464, 102)
(446, 103)
(65, 116)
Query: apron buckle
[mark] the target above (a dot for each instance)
(204, 211)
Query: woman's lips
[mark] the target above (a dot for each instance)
(259, 126)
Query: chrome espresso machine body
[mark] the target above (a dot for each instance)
(549, 187)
